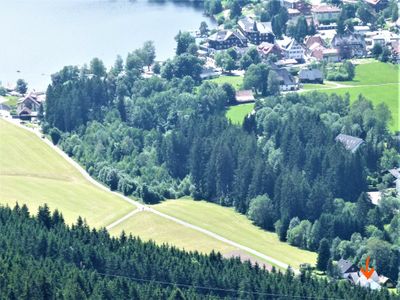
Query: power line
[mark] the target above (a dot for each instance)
(215, 288)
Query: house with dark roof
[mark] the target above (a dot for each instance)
(351, 143)
(346, 267)
(256, 32)
(28, 106)
(349, 45)
(225, 39)
(286, 80)
(311, 76)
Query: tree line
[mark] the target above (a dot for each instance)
(77, 262)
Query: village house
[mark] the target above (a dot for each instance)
(351, 143)
(256, 32)
(291, 49)
(225, 39)
(29, 106)
(286, 80)
(265, 49)
(311, 76)
(350, 272)
(349, 45)
(325, 13)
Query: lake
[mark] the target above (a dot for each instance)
(39, 37)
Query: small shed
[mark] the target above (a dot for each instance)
(245, 96)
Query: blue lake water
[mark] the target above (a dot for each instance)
(38, 37)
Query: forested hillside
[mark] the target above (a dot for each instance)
(167, 137)
(42, 258)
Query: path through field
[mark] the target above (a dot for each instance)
(139, 207)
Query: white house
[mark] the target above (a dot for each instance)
(291, 48)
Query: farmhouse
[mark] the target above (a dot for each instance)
(346, 268)
(351, 143)
(256, 32)
(225, 39)
(286, 81)
(311, 76)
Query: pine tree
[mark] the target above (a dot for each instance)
(323, 255)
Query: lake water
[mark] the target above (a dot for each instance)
(39, 37)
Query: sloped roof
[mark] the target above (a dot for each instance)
(345, 265)
(325, 9)
(222, 35)
(312, 74)
(351, 143)
(395, 172)
(245, 96)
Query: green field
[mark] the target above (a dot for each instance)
(232, 225)
(149, 226)
(236, 81)
(33, 173)
(376, 81)
(237, 113)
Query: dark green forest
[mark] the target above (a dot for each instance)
(167, 137)
(42, 258)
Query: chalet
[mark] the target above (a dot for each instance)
(314, 39)
(245, 96)
(349, 45)
(286, 80)
(256, 32)
(28, 106)
(291, 49)
(225, 39)
(396, 174)
(346, 268)
(325, 13)
(351, 143)
(265, 49)
(311, 76)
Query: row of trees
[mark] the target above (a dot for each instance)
(61, 262)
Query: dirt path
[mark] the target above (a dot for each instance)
(140, 207)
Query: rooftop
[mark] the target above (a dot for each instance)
(351, 143)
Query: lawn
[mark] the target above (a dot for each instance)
(33, 173)
(378, 82)
(236, 81)
(237, 113)
(236, 227)
(375, 73)
(150, 226)
(11, 101)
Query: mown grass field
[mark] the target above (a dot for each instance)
(33, 173)
(230, 224)
(236, 81)
(376, 81)
(150, 226)
(237, 113)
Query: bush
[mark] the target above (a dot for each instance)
(55, 135)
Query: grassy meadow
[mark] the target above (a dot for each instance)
(237, 113)
(33, 173)
(236, 227)
(236, 81)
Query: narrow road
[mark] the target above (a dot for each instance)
(140, 207)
